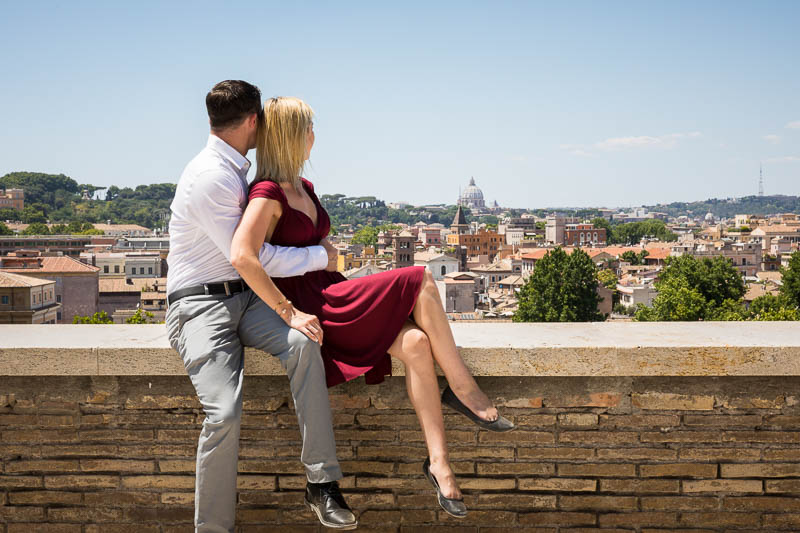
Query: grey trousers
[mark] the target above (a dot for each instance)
(210, 333)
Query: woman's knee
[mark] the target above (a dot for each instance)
(416, 346)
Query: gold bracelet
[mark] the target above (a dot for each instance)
(280, 303)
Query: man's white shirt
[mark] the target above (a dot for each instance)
(208, 204)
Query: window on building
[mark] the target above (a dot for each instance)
(149, 270)
(58, 298)
(105, 269)
(444, 270)
(4, 300)
(116, 269)
(58, 315)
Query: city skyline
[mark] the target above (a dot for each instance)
(545, 105)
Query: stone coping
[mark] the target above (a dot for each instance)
(490, 349)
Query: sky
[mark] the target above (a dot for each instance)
(545, 104)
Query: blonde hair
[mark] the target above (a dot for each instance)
(281, 140)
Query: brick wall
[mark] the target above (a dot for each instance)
(644, 454)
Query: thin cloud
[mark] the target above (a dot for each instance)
(784, 159)
(772, 138)
(793, 125)
(630, 143)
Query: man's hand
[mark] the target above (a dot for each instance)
(307, 324)
(333, 255)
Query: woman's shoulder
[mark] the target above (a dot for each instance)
(308, 184)
(266, 189)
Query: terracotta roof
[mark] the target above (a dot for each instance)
(754, 290)
(57, 265)
(516, 279)
(135, 285)
(657, 253)
(7, 279)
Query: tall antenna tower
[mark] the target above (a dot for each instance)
(760, 181)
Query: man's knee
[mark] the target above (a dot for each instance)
(303, 352)
(224, 414)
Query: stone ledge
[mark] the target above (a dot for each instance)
(501, 349)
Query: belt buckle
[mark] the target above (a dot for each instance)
(227, 288)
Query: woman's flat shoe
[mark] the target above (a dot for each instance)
(450, 399)
(452, 506)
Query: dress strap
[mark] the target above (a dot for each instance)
(267, 189)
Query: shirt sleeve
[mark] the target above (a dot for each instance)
(213, 204)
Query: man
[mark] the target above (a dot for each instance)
(212, 315)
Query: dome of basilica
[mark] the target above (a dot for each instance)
(472, 196)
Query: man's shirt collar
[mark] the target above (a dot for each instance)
(239, 161)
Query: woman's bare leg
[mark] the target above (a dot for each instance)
(430, 317)
(412, 347)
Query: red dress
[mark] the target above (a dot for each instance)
(360, 317)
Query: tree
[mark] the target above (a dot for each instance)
(771, 307)
(608, 279)
(5, 230)
(37, 228)
(366, 235)
(790, 289)
(561, 288)
(97, 318)
(140, 317)
(716, 279)
(676, 300)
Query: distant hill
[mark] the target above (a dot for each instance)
(729, 207)
(59, 199)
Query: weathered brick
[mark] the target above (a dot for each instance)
(396, 483)
(163, 401)
(44, 497)
(598, 437)
(560, 452)
(753, 402)
(719, 454)
(761, 436)
(14, 420)
(482, 518)
(722, 420)
(506, 501)
(177, 465)
(761, 470)
(723, 485)
(679, 503)
(636, 454)
(459, 468)
(679, 470)
(122, 528)
(671, 401)
(158, 482)
(486, 483)
(56, 420)
(535, 420)
(78, 450)
(638, 421)
(761, 503)
(20, 482)
(720, 519)
(597, 470)
(640, 486)
(577, 419)
(16, 514)
(387, 420)
(558, 484)
(602, 503)
(594, 399)
(42, 465)
(116, 435)
(681, 436)
(527, 469)
(783, 421)
(116, 465)
(254, 482)
(84, 514)
(782, 485)
(462, 437)
(782, 520)
(44, 528)
(177, 498)
(119, 498)
(781, 454)
(81, 482)
(40, 435)
(368, 435)
(518, 437)
(344, 401)
(523, 402)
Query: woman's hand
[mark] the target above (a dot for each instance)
(306, 324)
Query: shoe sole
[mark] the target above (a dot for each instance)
(328, 524)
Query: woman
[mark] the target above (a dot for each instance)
(364, 320)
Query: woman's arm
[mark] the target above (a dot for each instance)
(258, 218)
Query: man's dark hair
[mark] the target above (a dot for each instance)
(231, 101)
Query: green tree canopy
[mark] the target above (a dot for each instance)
(790, 289)
(37, 228)
(97, 318)
(562, 288)
(5, 230)
(366, 235)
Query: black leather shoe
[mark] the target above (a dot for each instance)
(501, 425)
(328, 504)
(452, 506)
